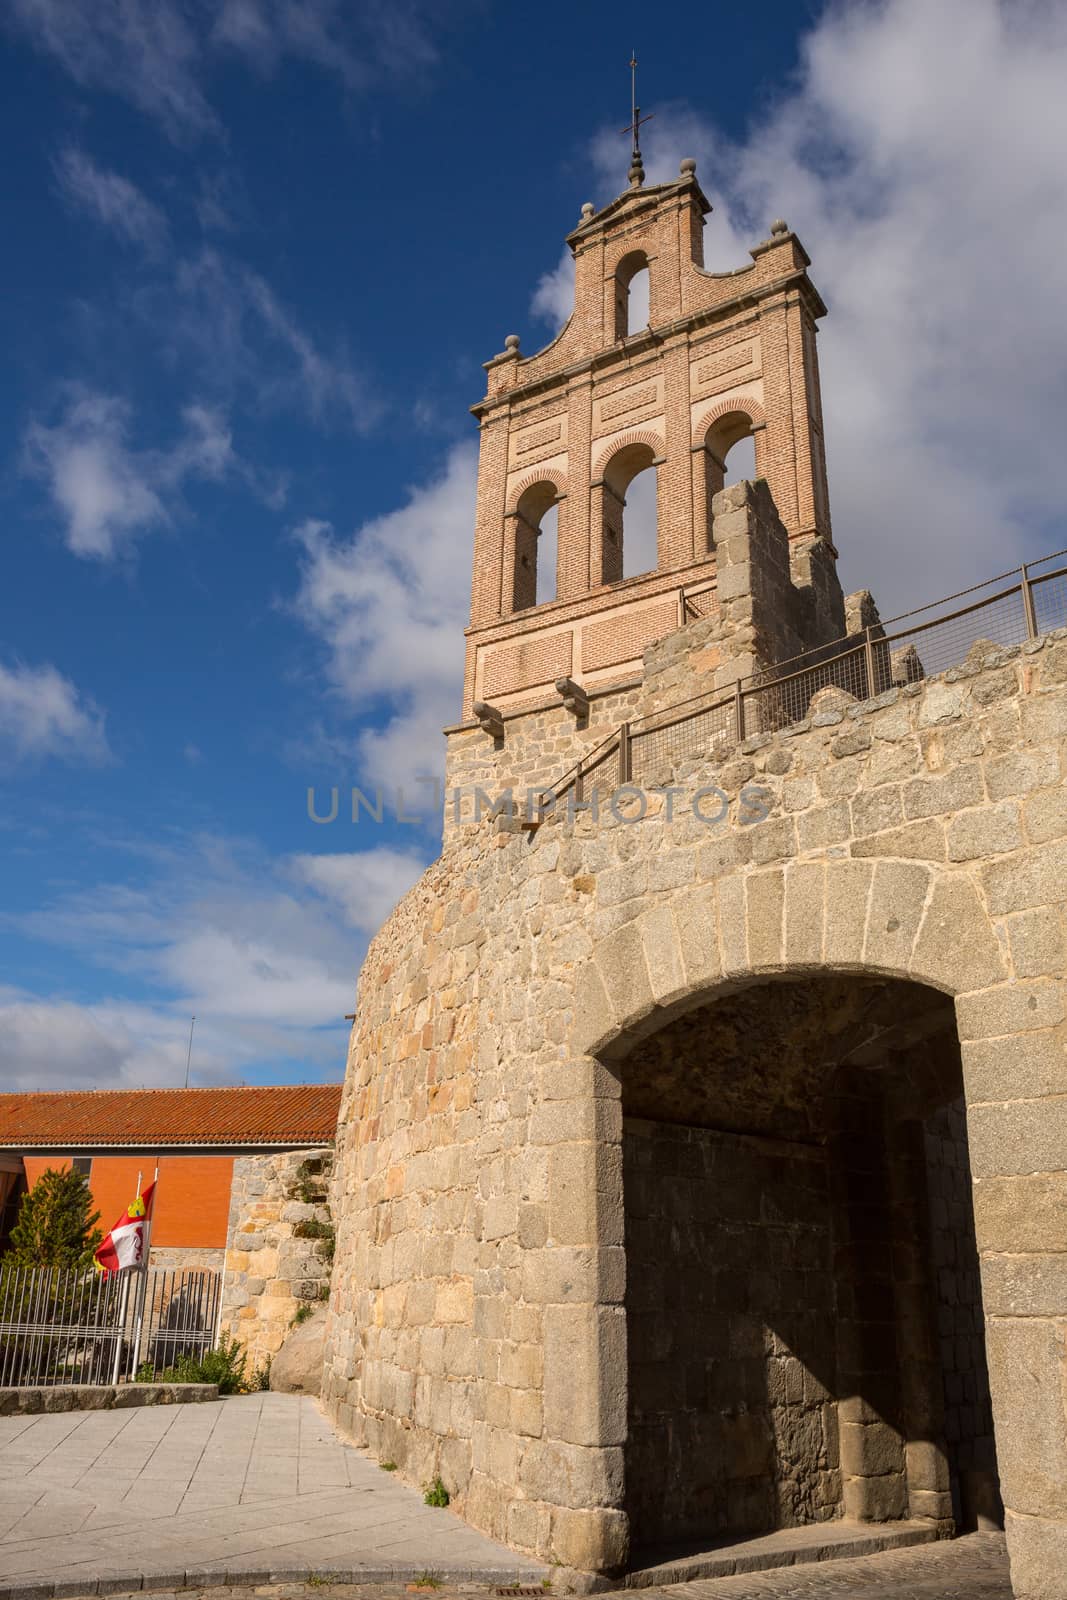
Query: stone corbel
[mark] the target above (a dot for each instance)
(575, 700)
(491, 720)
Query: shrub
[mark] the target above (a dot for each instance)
(312, 1180)
(312, 1228)
(225, 1365)
(436, 1494)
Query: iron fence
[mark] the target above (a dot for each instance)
(61, 1325)
(854, 668)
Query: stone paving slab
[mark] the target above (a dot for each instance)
(971, 1568)
(99, 1502)
(974, 1567)
(822, 1541)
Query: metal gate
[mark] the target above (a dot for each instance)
(59, 1325)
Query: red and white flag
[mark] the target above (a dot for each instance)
(126, 1244)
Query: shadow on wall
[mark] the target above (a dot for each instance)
(804, 1319)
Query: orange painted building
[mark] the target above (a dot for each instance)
(113, 1135)
(192, 1198)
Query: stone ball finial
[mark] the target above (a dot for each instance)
(512, 343)
(779, 225)
(588, 211)
(637, 172)
(687, 168)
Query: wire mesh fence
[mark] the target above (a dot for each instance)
(66, 1326)
(697, 604)
(855, 668)
(658, 743)
(1050, 601)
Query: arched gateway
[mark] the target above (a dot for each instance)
(701, 1164)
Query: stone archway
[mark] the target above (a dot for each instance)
(802, 1302)
(917, 924)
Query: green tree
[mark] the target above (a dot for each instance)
(56, 1225)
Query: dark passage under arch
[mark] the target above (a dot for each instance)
(804, 1319)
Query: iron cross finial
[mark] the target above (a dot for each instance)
(637, 170)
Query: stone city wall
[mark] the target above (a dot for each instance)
(773, 603)
(960, 1329)
(477, 1325)
(187, 1258)
(277, 1246)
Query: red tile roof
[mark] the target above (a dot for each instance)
(292, 1114)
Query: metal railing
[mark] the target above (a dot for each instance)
(62, 1325)
(857, 666)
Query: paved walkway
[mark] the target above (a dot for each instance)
(257, 1485)
(973, 1568)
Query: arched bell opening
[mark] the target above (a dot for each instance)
(632, 294)
(535, 546)
(629, 518)
(732, 453)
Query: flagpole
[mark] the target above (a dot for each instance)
(121, 1329)
(143, 1285)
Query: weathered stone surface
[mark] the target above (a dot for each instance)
(297, 1368)
(29, 1401)
(1026, 1363)
(1022, 1214)
(898, 898)
(276, 1261)
(956, 949)
(535, 984)
(1037, 1548)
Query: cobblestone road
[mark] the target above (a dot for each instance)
(972, 1568)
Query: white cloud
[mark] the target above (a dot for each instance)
(42, 714)
(231, 322)
(329, 384)
(553, 298)
(109, 493)
(111, 200)
(222, 202)
(144, 50)
(53, 1043)
(366, 884)
(919, 157)
(354, 43)
(265, 953)
(390, 605)
(157, 53)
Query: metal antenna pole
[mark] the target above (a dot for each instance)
(189, 1056)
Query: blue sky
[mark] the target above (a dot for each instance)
(257, 251)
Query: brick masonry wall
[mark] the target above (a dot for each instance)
(270, 1269)
(477, 1321)
(767, 610)
(725, 346)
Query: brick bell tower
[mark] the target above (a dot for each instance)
(724, 355)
